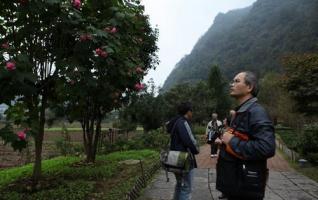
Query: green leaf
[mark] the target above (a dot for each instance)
(23, 58)
(114, 8)
(120, 15)
(101, 33)
(109, 50)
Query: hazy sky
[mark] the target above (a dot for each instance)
(180, 24)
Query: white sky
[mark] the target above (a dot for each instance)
(180, 24)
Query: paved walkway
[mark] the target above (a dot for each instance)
(277, 163)
(284, 183)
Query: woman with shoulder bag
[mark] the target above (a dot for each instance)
(183, 140)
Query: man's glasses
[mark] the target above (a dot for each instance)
(235, 81)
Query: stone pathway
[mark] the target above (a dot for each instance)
(160, 189)
(281, 186)
(277, 163)
(284, 183)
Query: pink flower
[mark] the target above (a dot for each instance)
(111, 29)
(77, 4)
(139, 86)
(10, 66)
(5, 45)
(114, 30)
(85, 37)
(98, 51)
(104, 54)
(21, 135)
(101, 53)
(139, 70)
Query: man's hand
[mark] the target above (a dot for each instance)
(227, 137)
(218, 141)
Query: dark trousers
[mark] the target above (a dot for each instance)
(214, 148)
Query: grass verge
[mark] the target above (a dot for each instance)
(68, 178)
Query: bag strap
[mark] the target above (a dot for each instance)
(172, 133)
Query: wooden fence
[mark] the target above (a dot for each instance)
(142, 181)
(291, 154)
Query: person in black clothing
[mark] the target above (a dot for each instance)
(182, 139)
(242, 164)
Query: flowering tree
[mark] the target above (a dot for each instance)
(90, 52)
(115, 46)
(35, 38)
(86, 57)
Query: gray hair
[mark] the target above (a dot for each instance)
(251, 80)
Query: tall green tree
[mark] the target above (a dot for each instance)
(301, 80)
(197, 94)
(176, 95)
(202, 102)
(278, 102)
(145, 108)
(218, 89)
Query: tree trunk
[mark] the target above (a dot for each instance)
(38, 143)
(97, 135)
(91, 135)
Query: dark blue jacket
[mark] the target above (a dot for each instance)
(182, 138)
(252, 120)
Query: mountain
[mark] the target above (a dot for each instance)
(253, 38)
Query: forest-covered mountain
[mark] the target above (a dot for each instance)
(253, 38)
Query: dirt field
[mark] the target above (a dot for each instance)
(10, 158)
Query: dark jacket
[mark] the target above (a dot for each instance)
(251, 120)
(182, 138)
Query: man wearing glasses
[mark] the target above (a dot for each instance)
(246, 145)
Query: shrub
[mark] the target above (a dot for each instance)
(65, 146)
(155, 139)
(199, 130)
(290, 138)
(309, 145)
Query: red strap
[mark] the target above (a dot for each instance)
(241, 136)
